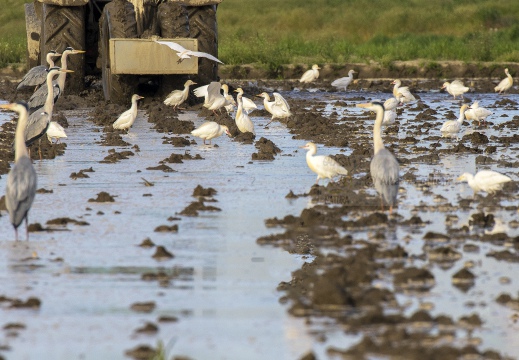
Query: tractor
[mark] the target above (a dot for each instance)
(118, 37)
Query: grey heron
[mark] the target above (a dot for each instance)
(39, 120)
(384, 166)
(184, 53)
(210, 130)
(37, 75)
(310, 75)
(324, 166)
(22, 179)
(38, 98)
(127, 118)
(177, 97)
(279, 108)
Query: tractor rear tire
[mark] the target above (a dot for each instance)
(64, 26)
(203, 26)
(117, 21)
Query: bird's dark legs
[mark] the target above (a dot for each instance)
(27, 227)
(39, 149)
(16, 233)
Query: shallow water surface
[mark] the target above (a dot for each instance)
(222, 285)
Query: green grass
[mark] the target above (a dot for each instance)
(272, 33)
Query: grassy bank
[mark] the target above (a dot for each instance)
(273, 32)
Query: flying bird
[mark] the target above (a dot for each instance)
(324, 166)
(214, 100)
(184, 53)
(22, 179)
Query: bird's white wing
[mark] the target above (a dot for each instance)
(201, 91)
(391, 104)
(491, 177)
(457, 83)
(450, 126)
(172, 45)
(248, 104)
(341, 82)
(213, 91)
(123, 119)
(206, 55)
(281, 102)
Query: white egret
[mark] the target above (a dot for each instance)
(455, 88)
(243, 122)
(210, 130)
(505, 84)
(477, 113)
(344, 82)
(21, 180)
(485, 180)
(402, 93)
(214, 100)
(310, 75)
(177, 97)
(279, 108)
(451, 128)
(384, 166)
(127, 118)
(324, 166)
(184, 53)
(55, 131)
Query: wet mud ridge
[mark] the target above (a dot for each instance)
(359, 267)
(430, 280)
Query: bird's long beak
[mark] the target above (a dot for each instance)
(66, 70)
(302, 147)
(459, 178)
(7, 106)
(78, 52)
(364, 105)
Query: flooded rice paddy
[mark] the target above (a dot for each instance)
(218, 284)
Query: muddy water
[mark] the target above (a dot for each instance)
(220, 287)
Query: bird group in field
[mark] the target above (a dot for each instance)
(35, 121)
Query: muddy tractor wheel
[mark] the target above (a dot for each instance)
(203, 26)
(117, 21)
(64, 26)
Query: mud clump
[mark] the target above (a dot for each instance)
(245, 138)
(177, 141)
(161, 167)
(204, 192)
(166, 228)
(267, 150)
(65, 221)
(30, 303)
(162, 254)
(482, 220)
(144, 307)
(196, 206)
(102, 197)
(115, 156)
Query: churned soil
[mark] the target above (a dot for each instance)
(346, 236)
